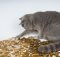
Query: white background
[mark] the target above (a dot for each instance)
(12, 10)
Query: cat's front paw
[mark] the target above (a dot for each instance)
(18, 37)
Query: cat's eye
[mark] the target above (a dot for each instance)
(22, 25)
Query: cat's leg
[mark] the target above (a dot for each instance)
(22, 34)
(26, 32)
(41, 35)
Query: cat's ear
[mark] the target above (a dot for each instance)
(20, 20)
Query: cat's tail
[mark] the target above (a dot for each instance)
(52, 47)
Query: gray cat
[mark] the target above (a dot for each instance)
(46, 24)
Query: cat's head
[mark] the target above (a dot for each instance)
(26, 22)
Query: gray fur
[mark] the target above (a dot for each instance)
(46, 24)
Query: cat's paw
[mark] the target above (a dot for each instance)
(47, 48)
(44, 49)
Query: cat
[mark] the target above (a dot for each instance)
(46, 24)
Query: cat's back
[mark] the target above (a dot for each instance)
(46, 13)
(46, 16)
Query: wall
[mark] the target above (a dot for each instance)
(12, 10)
